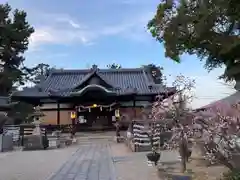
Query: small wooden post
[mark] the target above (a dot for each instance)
(22, 135)
(73, 118)
(58, 114)
(134, 143)
(134, 107)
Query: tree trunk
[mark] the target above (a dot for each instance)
(183, 150)
(183, 164)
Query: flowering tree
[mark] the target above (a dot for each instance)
(217, 127)
(172, 111)
(220, 127)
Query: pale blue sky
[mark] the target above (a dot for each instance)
(79, 33)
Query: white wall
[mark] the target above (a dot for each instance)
(54, 106)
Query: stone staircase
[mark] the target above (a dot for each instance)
(94, 138)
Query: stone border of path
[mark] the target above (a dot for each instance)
(111, 163)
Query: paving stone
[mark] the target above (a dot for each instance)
(99, 161)
(90, 162)
(57, 177)
(70, 176)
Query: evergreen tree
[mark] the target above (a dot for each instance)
(37, 73)
(14, 39)
(156, 72)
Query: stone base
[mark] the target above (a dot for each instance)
(130, 144)
(74, 141)
(165, 174)
(68, 142)
(119, 139)
(6, 143)
(142, 148)
(33, 142)
(54, 143)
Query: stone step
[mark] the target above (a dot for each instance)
(96, 138)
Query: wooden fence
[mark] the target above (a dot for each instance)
(20, 131)
(14, 131)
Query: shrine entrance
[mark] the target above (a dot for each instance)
(99, 119)
(96, 117)
(95, 104)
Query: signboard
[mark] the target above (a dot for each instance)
(113, 119)
(73, 115)
(81, 119)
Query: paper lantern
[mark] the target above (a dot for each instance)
(117, 113)
(73, 115)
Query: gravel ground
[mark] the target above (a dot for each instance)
(133, 166)
(33, 165)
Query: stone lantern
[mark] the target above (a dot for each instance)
(37, 140)
(37, 115)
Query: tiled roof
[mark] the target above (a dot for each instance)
(31, 92)
(229, 100)
(5, 102)
(122, 81)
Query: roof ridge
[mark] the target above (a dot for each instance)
(121, 70)
(99, 70)
(104, 79)
(89, 75)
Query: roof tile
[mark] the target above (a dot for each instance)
(122, 80)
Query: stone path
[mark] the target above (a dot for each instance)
(104, 160)
(94, 158)
(90, 162)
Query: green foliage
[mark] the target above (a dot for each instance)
(14, 38)
(208, 28)
(156, 72)
(231, 175)
(20, 112)
(37, 73)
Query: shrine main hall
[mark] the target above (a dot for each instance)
(95, 97)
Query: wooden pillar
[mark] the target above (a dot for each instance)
(134, 107)
(73, 127)
(21, 134)
(58, 113)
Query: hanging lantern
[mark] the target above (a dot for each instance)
(100, 108)
(73, 115)
(117, 113)
(89, 109)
